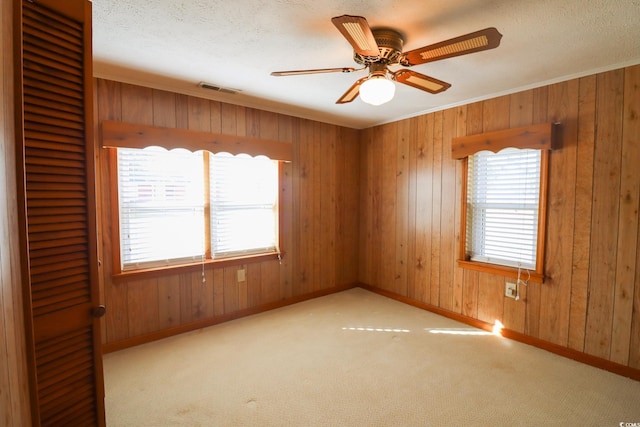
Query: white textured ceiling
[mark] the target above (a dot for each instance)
(175, 44)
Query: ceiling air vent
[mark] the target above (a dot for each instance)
(210, 86)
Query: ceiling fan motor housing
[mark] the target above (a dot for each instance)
(390, 44)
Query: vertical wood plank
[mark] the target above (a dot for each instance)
(218, 292)
(470, 293)
(305, 236)
(168, 302)
(470, 286)
(243, 289)
(521, 109)
(402, 207)
(317, 272)
(389, 206)
(137, 104)
(447, 212)
(378, 201)
(230, 287)
(327, 189)
(366, 208)
(348, 211)
(532, 317)
(424, 211)
(626, 268)
(199, 114)
(285, 133)
(436, 235)
(143, 307)
(555, 295)
(201, 295)
(458, 273)
(296, 216)
(490, 297)
(412, 235)
(270, 281)
(632, 115)
(228, 124)
(254, 285)
(164, 108)
(604, 226)
(582, 212)
(182, 111)
(216, 116)
(186, 300)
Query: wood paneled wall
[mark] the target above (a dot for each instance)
(410, 209)
(14, 392)
(319, 204)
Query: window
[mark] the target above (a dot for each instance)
(178, 207)
(504, 200)
(244, 194)
(503, 193)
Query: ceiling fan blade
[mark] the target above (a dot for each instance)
(320, 70)
(420, 81)
(352, 92)
(489, 38)
(358, 33)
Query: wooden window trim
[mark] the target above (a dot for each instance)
(208, 263)
(541, 137)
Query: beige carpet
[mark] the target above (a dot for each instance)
(357, 359)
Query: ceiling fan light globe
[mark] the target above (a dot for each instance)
(377, 90)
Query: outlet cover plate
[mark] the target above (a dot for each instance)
(510, 290)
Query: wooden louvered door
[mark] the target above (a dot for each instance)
(55, 142)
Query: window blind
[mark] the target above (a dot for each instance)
(502, 207)
(244, 204)
(161, 205)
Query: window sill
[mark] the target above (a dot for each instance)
(502, 270)
(148, 273)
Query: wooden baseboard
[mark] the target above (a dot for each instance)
(578, 356)
(165, 333)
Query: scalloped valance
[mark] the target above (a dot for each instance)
(133, 135)
(541, 136)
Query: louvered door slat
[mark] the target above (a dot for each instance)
(41, 113)
(59, 219)
(76, 135)
(63, 121)
(36, 61)
(73, 86)
(51, 19)
(46, 253)
(56, 147)
(47, 227)
(58, 302)
(38, 39)
(71, 107)
(67, 100)
(48, 186)
(51, 349)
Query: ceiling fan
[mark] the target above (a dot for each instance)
(379, 48)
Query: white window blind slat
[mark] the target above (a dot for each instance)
(502, 207)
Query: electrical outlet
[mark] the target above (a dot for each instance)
(510, 290)
(241, 275)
